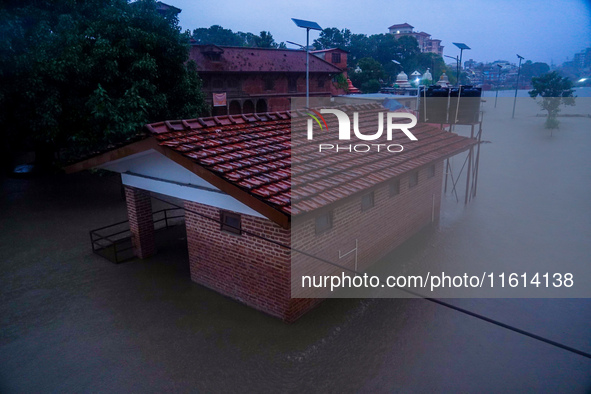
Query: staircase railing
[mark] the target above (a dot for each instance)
(113, 242)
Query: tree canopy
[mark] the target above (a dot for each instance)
(368, 75)
(89, 74)
(333, 38)
(383, 48)
(531, 69)
(219, 36)
(555, 91)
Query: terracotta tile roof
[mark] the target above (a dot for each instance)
(242, 59)
(336, 49)
(400, 26)
(256, 152)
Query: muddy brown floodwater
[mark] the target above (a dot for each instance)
(73, 322)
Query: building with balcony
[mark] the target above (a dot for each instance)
(426, 43)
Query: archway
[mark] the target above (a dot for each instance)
(261, 106)
(235, 108)
(248, 107)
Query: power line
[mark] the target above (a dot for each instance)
(418, 295)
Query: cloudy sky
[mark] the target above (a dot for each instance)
(541, 30)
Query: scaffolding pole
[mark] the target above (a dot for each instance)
(473, 162)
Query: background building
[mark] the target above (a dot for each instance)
(426, 43)
(257, 80)
(335, 56)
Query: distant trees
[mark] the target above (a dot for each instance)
(530, 69)
(427, 60)
(333, 38)
(555, 91)
(217, 35)
(265, 40)
(84, 75)
(383, 48)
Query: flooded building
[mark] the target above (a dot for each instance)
(234, 176)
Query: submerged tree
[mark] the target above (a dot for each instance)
(555, 91)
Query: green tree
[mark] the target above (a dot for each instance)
(427, 60)
(383, 48)
(554, 91)
(369, 76)
(452, 74)
(530, 69)
(265, 40)
(340, 82)
(333, 38)
(86, 75)
(408, 48)
(358, 49)
(217, 35)
(371, 86)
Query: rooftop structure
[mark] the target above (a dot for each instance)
(337, 57)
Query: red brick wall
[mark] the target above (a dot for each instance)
(139, 213)
(279, 104)
(327, 56)
(380, 229)
(248, 269)
(259, 273)
(252, 88)
(254, 84)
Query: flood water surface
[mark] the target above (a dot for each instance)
(72, 321)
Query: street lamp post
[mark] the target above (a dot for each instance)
(517, 85)
(457, 59)
(308, 25)
(462, 46)
(498, 84)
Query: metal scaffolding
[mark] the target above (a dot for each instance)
(472, 160)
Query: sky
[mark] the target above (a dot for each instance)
(542, 30)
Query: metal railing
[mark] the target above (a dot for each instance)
(113, 242)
